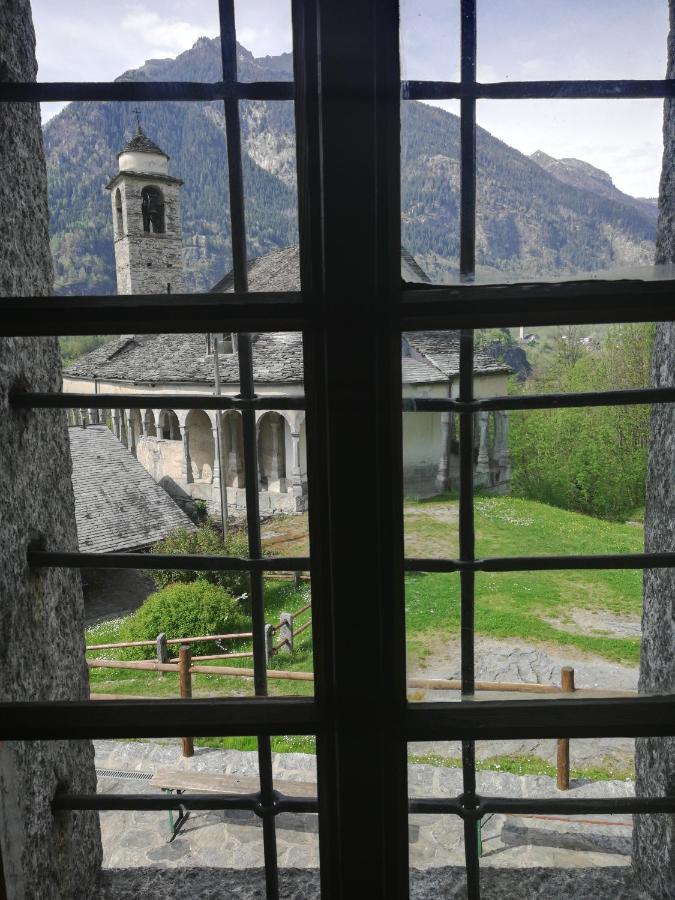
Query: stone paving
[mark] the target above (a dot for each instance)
(233, 840)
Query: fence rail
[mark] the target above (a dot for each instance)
(184, 666)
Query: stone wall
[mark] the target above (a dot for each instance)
(43, 856)
(147, 262)
(654, 836)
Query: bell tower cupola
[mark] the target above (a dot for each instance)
(146, 220)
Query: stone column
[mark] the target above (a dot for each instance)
(442, 474)
(186, 466)
(482, 473)
(158, 427)
(296, 473)
(93, 417)
(275, 468)
(217, 450)
(131, 432)
(233, 456)
(501, 452)
(117, 428)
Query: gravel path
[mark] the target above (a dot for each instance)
(538, 664)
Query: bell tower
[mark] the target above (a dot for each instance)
(146, 220)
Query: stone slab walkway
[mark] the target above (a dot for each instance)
(233, 840)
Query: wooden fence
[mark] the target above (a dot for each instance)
(184, 666)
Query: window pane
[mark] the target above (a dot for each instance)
(430, 40)
(265, 38)
(571, 40)
(567, 188)
(153, 42)
(430, 191)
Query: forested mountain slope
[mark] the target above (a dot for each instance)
(530, 222)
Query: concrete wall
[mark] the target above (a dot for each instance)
(654, 836)
(41, 613)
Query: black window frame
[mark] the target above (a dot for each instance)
(347, 92)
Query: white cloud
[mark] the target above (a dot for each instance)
(165, 36)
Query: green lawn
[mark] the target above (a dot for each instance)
(517, 604)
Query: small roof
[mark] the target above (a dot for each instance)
(141, 143)
(118, 505)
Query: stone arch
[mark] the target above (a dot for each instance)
(168, 427)
(201, 443)
(233, 448)
(119, 217)
(149, 423)
(152, 208)
(272, 434)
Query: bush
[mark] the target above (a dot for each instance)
(205, 540)
(185, 610)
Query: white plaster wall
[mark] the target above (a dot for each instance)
(421, 438)
(152, 163)
(161, 458)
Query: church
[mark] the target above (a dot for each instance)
(184, 449)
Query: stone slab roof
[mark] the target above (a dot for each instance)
(118, 505)
(183, 358)
(141, 143)
(277, 357)
(441, 349)
(279, 270)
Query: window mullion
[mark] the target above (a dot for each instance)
(359, 355)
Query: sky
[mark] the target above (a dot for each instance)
(517, 40)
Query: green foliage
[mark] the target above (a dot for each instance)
(184, 610)
(590, 460)
(75, 346)
(208, 542)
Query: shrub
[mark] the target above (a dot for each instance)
(205, 540)
(185, 610)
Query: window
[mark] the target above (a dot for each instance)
(359, 713)
(152, 206)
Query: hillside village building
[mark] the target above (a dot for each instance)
(180, 448)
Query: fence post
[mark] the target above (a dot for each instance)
(184, 662)
(269, 643)
(286, 632)
(563, 756)
(162, 651)
(297, 580)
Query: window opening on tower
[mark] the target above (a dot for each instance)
(152, 206)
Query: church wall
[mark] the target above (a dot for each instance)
(41, 614)
(421, 453)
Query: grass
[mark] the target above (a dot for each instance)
(520, 604)
(516, 605)
(529, 765)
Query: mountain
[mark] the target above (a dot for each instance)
(583, 175)
(531, 221)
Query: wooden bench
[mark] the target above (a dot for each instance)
(177, 781)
